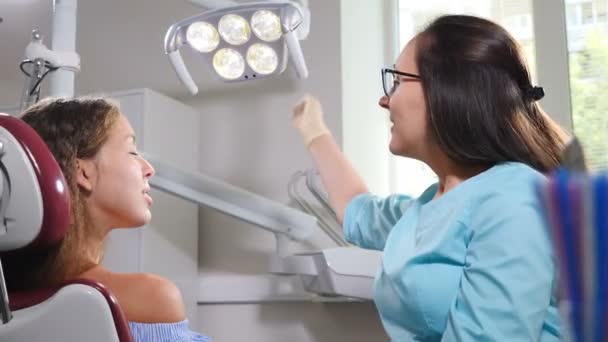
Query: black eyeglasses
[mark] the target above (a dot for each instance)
(390, 81)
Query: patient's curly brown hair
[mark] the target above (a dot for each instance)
(73, 129)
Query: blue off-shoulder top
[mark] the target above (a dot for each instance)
(165, 332)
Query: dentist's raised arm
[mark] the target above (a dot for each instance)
(339, 177)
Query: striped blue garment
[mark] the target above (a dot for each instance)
(165, 332)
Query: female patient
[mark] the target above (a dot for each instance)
(95, 147)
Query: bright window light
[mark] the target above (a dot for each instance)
(234, 29)
(266, 25)
(228, 63)
(262, 59)
(202, 36)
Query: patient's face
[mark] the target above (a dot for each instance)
(120, 196)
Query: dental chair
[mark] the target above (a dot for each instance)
(35, 212)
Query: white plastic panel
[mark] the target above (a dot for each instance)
(25, 206)
(75, 313)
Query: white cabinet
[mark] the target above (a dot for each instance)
(168, 246)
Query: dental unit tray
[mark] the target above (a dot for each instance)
(339, 271)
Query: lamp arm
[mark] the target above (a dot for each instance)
(172, 45)
(296, 55)
(182, 72)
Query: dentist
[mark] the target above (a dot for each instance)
(470, 259)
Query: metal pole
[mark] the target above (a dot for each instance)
(5, 312)
(64, 40)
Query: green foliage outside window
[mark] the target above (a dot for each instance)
(589, 89)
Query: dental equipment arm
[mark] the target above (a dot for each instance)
(229, 199)
(62, 60)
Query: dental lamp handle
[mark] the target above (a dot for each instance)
(213, 4)
(295, 52)
(182, 72)
(304, 27)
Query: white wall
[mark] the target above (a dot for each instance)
(246, 138)
(10, 94)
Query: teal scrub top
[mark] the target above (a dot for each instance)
(475, 264)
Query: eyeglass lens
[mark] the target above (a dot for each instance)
(388, 82)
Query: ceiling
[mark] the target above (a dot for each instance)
(19, 18)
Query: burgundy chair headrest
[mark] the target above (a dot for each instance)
(53, 186)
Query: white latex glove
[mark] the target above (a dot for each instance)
(308, 119)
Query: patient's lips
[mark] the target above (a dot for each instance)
(148, 200)
(147, 197)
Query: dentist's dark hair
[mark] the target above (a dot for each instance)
(72, 129)
(481, 102)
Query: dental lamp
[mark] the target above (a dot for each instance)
(241, 42)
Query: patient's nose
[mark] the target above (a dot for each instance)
(148, 169)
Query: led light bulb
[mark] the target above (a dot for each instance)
(234, 29)
(262, 59)
(228, 63)
(202, 36)
(266, 25)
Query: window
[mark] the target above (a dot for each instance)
(410, 176)
(588, 56)
(572, 14)
(601, 12)
(587, 13)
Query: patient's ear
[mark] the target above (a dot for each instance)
(85, 174)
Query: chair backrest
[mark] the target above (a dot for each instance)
(35, 205)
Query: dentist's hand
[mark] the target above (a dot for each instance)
(308, 119)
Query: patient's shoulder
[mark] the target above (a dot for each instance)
(145, 297)
(152, 299)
